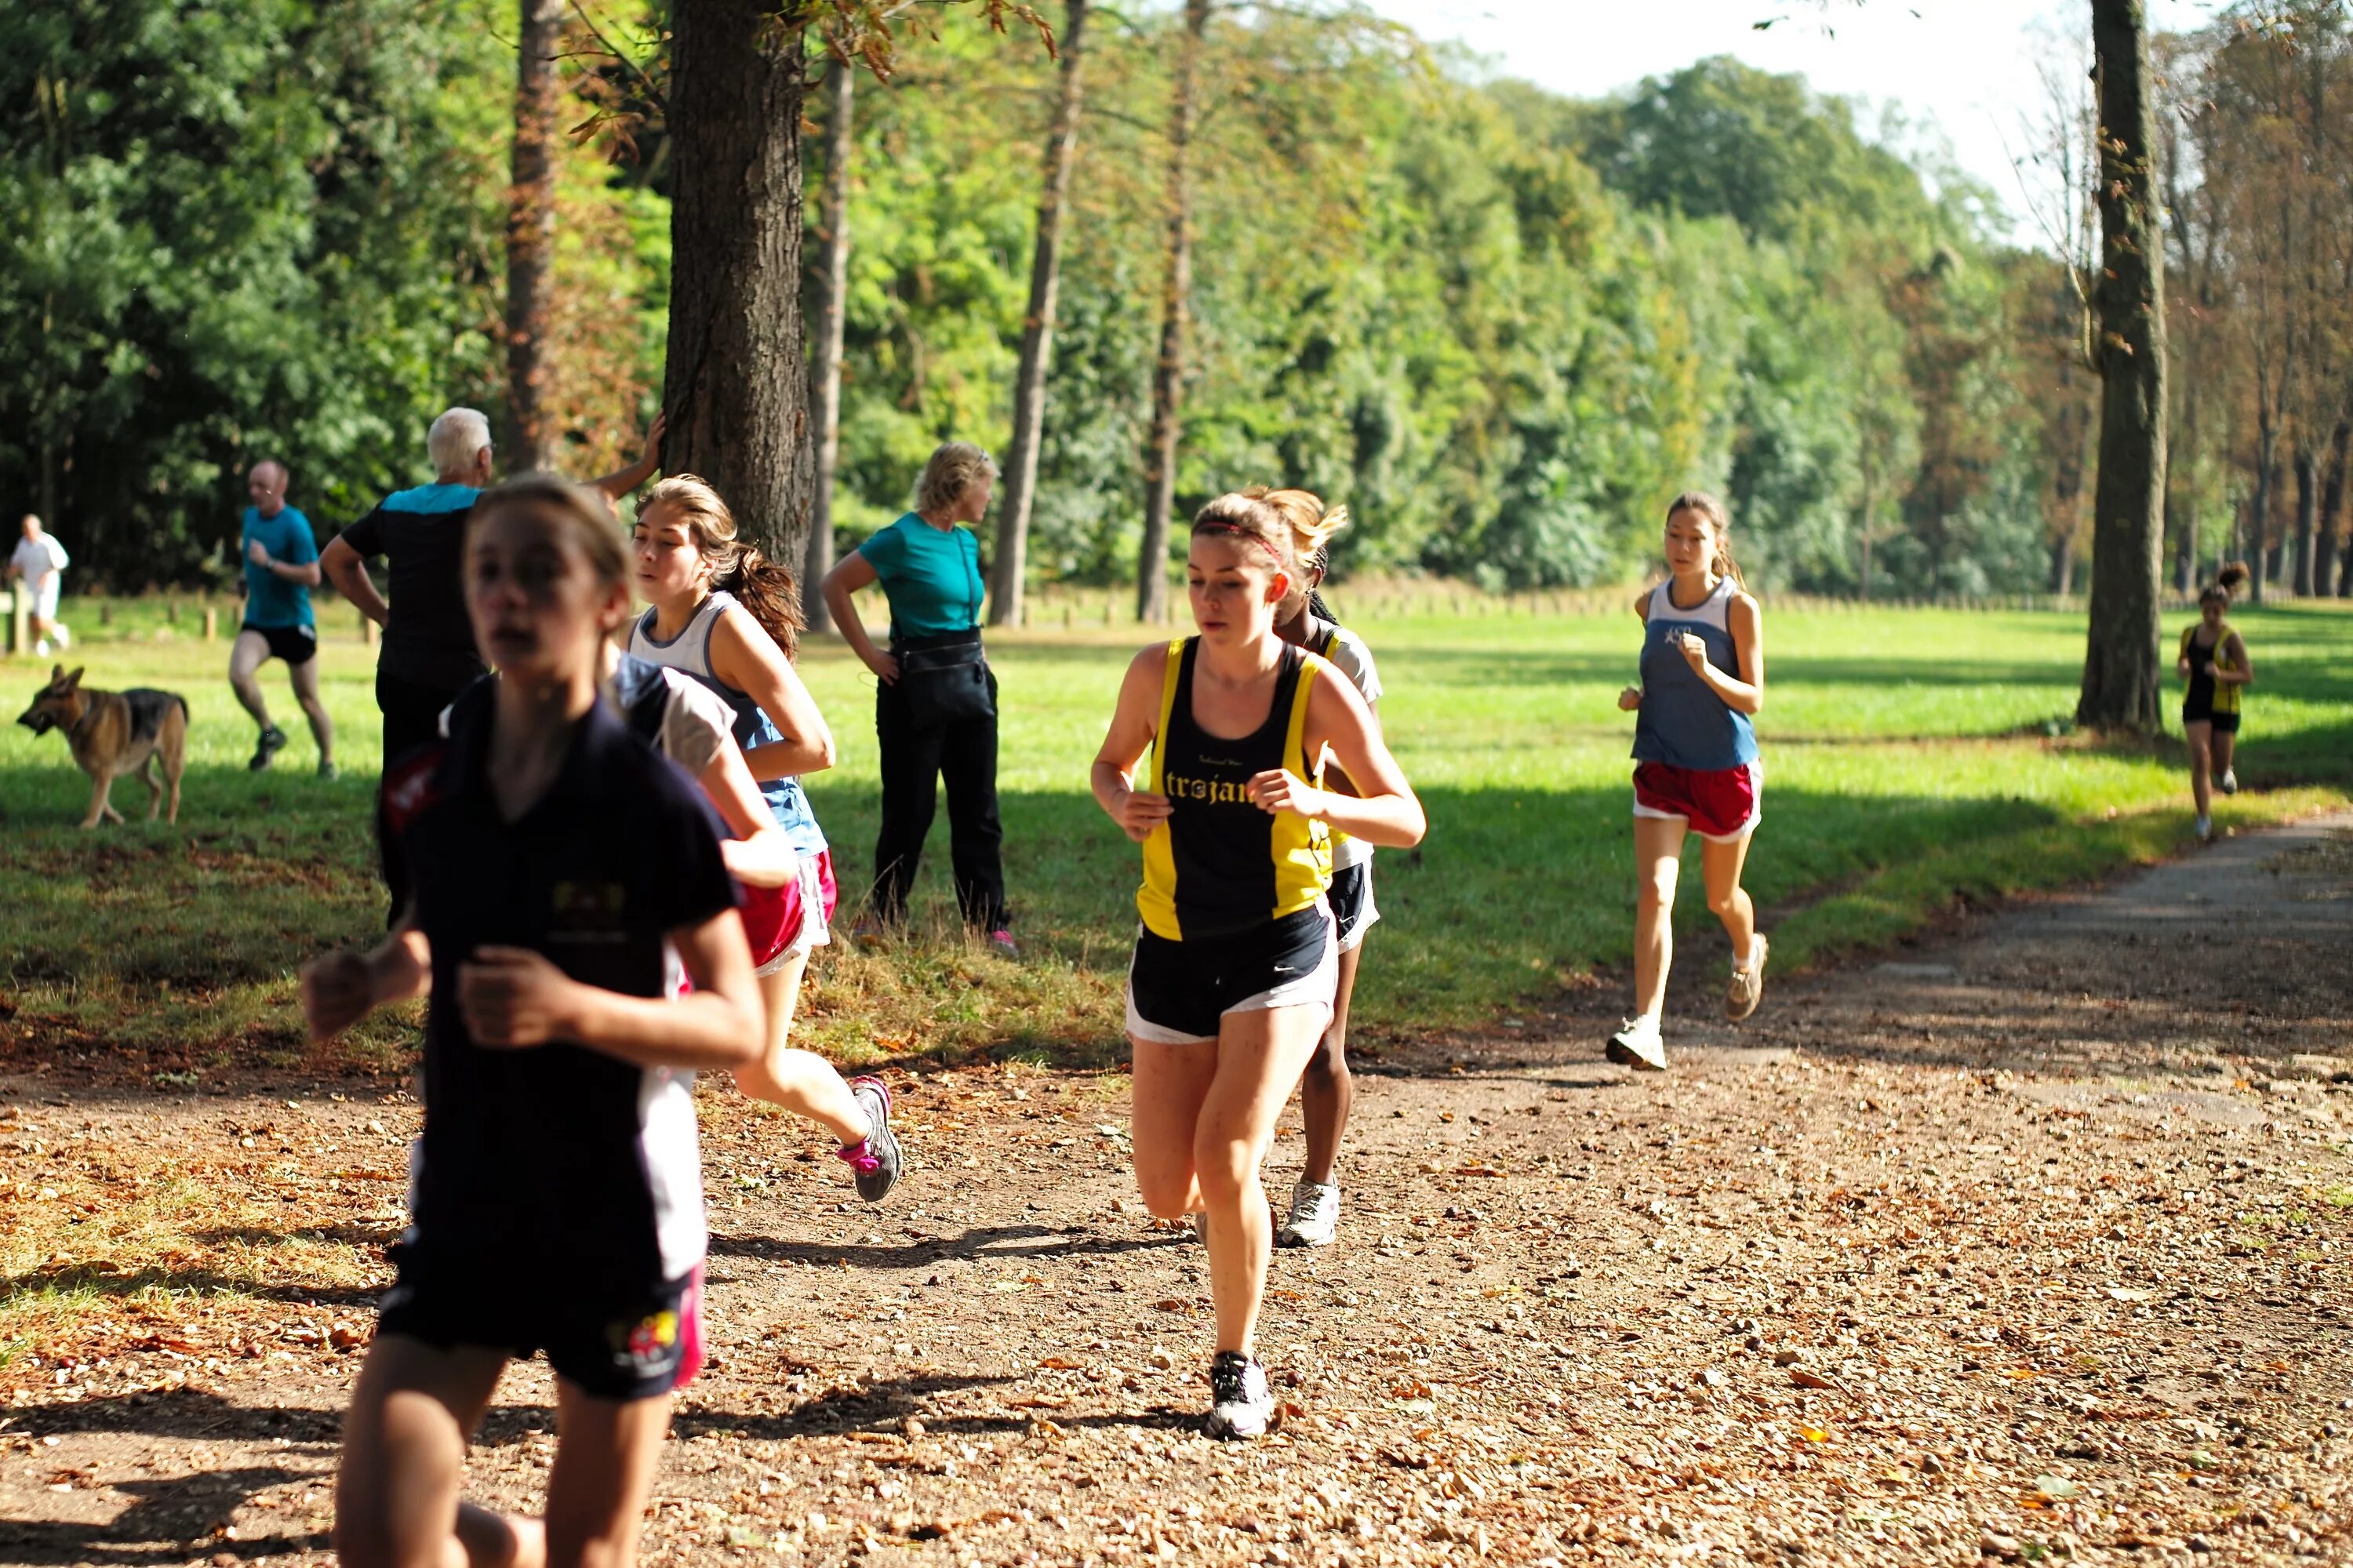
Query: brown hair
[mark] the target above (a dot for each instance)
(2225, 584)
(1709, 506)
(585, 518)
(954, 468)
(1242, 516)
(765, 589)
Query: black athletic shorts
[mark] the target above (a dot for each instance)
(608, 1349)
(1353, 909)
(1177, 992)
(295, 644)
(2224, 723)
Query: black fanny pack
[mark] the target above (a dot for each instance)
(945, 683)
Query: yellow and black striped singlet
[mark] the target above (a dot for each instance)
(1220, 865)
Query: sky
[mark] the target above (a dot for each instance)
(1966, 67)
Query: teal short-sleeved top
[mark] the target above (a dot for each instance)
(931, 576)
(271, 600)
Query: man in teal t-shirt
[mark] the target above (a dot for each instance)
(282, 567)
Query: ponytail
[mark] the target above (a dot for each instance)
(1708, 506)
(766, 588)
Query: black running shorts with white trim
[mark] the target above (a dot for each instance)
(1353, 909)
(295, 644)
(1177, 992)
(609, 1349)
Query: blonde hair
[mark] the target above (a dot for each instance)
(765, 589)
(954, 468)
(1312, 527)
(1710, 507)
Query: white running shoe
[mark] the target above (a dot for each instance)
(2205, 829)
(2229, 782)
(63, 634)
(1746, 987)
(1240, 1405)
(41, 648)
(1637, 1045)
(1315, 1215)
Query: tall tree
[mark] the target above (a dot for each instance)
(2121, 661)
(737, 386)
(1169, 371)
(1038, 329)
(530, 232)
(833, 299)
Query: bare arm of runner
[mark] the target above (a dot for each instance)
(1138, 811)
(341, 989)
(303, 572)
(1388, 813)
(2242, 671)
(348, 571)
(515, 998)
(760, 855)
(742, 655)
(1747, 623)
(1631, 697)
(623, 479)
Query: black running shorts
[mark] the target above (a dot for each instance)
(1353, 908)
(1177, 992)
(295, 644)
(609, 1350)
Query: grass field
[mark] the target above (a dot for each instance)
(1914, 757)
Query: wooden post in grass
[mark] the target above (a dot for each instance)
(20, 619)
(211, 624)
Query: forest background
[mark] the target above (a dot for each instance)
(1503, 326)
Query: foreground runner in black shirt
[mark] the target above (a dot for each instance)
(557, 868)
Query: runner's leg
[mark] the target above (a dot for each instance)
(1259, 1055)
(1169, 1083)
(800, 1081)
(247, 654)
(604, 1459)
(305, 677)
(405, 1453)
(2200, 735)
(1658, 862)
(1328, 1092)
(1719, 866)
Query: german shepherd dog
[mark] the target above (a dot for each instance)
(114, 733)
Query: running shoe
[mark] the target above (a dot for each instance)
(1637, 1045)
(41, 648)
(876, 1157)
(272, 741)
(1315, 1215)
(327, 771)
(1746, 987)
(2229, 782)
(2205, 829)
(1240, 1405)
(1001, 943)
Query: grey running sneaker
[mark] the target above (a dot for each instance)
(327, 771)
(1001, 943)
(272, 741)
(1315, 1215)
(1637, 1045)
(1746, 987)
(876, 1160)
(2229, 782)
(1240, 1405)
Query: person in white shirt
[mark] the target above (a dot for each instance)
(40, 562)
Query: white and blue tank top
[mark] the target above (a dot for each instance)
(690, 653)
(1681, 722)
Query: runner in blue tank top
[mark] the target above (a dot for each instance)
(1697, 769)
(730, 617)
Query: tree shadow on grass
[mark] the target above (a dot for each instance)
(1010, 1243)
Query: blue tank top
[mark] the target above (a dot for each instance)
(690, 653)
(1681, 722)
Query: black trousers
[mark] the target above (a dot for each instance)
(412, 718)
(914, 759)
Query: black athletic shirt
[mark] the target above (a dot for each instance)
(1221, 865)
(421, 532)
(556, 1164)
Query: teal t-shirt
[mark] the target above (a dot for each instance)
(931, 576)
(271, 600)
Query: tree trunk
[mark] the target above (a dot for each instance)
(1037, 333)
(2122, 670)
(1168, 374)
(2332, 513)
(530, 234)
(833, 297)
(2063, 565)
(736, 383)
(2307, 516)
(2259, 508)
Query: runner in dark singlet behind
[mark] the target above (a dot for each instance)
(2213, 663)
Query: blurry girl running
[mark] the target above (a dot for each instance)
(730, 617)
(556, 871)
(2213, 662)
(1327, 1092)
(1696, 763)
(1232, 983)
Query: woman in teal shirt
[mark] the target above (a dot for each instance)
(935, 700)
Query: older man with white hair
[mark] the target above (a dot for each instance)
(429, 644)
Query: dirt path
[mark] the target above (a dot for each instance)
(2032, 1243)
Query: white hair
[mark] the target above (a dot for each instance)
(454, 437)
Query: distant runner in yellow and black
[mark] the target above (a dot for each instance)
(1232, 984)
(2216, 669)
